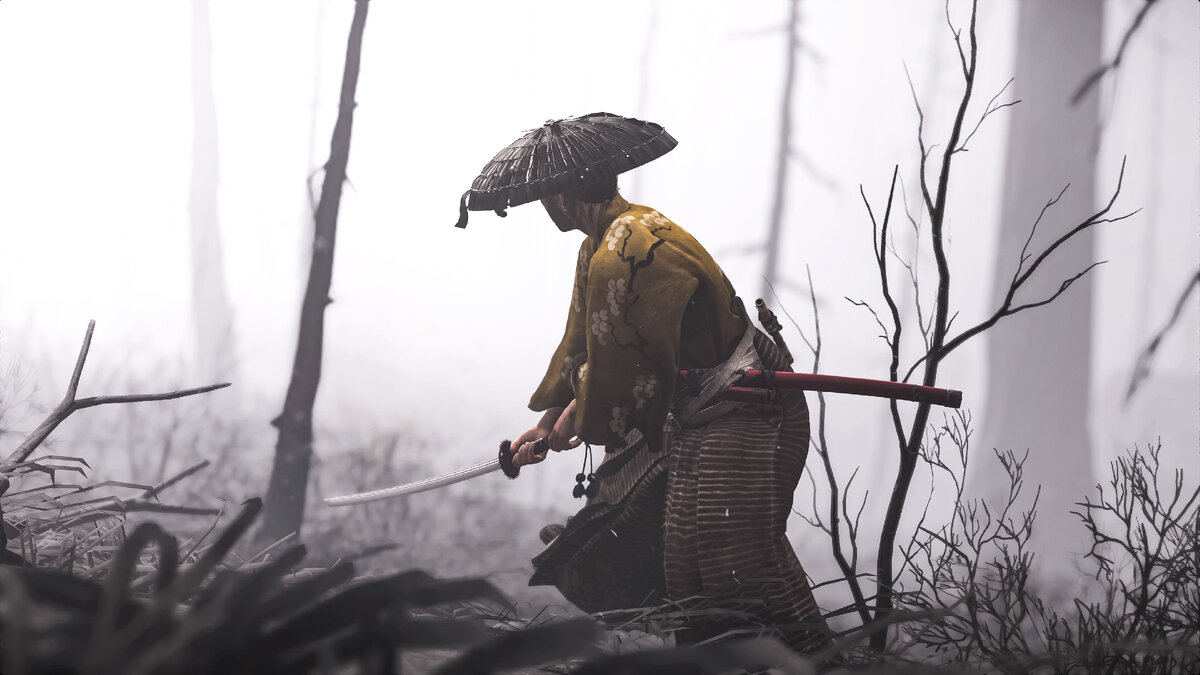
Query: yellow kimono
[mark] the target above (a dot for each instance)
(648, 300)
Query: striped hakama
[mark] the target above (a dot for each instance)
(702, 523)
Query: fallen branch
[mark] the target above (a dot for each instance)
(70, 404)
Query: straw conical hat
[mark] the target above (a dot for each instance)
(564, 155)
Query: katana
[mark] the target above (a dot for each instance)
(503, 462)
(753, 386)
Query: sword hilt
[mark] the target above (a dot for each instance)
(541, 446)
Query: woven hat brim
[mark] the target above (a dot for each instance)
(565, 155)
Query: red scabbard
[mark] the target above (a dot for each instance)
(755, 386)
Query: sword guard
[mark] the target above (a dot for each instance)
(506, 460)
(540, 446)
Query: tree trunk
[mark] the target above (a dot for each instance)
(284, 509)
(211, 311)
(1039, 376)
(783, 152)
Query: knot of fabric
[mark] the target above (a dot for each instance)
(698, 410)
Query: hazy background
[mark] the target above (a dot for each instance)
(441, 334)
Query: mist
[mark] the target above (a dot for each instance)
(439, 335)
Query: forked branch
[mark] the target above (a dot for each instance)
(1022, 274)
(70, 404)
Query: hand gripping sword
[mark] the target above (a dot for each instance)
(754, 386)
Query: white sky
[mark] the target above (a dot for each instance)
(448, 331)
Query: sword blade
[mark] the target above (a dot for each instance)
(418, 486)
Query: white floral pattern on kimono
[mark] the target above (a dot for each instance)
(602, 328)
(634, 315)
(643, 389)
(579, 288)
(616, 296)
(620, 420)
(615, 234)
(655, 219)
(569, 364)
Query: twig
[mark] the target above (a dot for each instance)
(991, 108)
(70, 404)
(153, 492)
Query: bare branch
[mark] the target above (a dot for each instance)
(920, 141)
(957, 33)
(1091, 80)
(848, 568)
(878, 321)
(70, 404)
(1061, 289)
(783, 308)
(94, 401)
(1006, 307)
(154, 491)
(1141, 368)
(991, 108)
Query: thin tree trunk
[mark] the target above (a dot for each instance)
(1039, 375)
(284, 509)
(211, 311)
(782, 153)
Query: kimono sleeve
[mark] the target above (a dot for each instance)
(556, 388)
(637, 292)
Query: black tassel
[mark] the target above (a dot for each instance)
(592, 488)
(462, 211)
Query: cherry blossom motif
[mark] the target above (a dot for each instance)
(616, 296)
(579, 375)
(569, 363)
(620, 420)
(616, 232)
(581, 275)
(654, 219)
(643, 389)
(577, 298)
(601, 327)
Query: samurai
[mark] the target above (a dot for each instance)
(690, 501)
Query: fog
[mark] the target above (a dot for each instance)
(443, 333)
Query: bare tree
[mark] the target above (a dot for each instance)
(284, 509)
(938, 342)
(211, 312)
(1039, 364)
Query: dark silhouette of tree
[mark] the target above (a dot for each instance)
(284, 511)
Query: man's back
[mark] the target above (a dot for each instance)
(648, 300)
